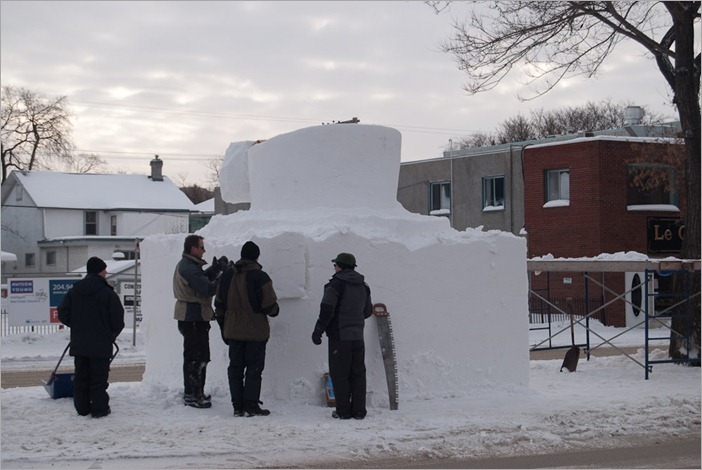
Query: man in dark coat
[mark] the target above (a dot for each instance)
(193, 289)
(245, 299)
(94, 313)
(345, 306)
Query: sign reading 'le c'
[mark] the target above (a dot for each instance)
(665, 235)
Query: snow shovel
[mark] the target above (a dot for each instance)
(61, 385)
(570, 361)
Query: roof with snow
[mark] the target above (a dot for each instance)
(113, 267)
(206, 206)
(102, 191)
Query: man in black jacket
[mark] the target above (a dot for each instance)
(345, 306)
(94, 313)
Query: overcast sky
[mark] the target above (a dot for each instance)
(185, 79)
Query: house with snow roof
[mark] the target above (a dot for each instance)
(53, 222)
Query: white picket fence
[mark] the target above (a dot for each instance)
(8, 330)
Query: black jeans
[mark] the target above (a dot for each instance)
(347, 368)
(196, 340)
(196, 355)
(246, 362)
(90, 385)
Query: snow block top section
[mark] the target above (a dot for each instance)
(333, 166)
(235, 172)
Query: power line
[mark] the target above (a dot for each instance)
(137, 155)
(409, 128)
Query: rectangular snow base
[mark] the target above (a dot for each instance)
(331, 399)
(59, 385)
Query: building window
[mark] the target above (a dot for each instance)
(557, 188)
(440, 198)
(91, 223)
(19, 193)
(51, 258)
(29, 260)
(493, 193)
(652, 184)
(113, 225)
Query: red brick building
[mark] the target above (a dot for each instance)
(595, 195)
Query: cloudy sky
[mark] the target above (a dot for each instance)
(185, 79)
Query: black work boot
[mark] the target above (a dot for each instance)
(197, 402)
(252, 408)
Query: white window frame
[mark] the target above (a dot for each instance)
(557, 187)
(442, 207)
(86, 223)
(490, 200)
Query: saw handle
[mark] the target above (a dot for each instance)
(380, 310)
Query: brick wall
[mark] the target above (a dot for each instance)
(597, 220)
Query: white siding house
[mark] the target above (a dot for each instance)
(53, 222)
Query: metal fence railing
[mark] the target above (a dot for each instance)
(541, 311)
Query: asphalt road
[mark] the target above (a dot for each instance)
(682, 453)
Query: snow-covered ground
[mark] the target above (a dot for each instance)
(605, 403)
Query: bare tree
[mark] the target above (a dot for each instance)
(515, 129)
(36, 130)
(214, 166)
(197, 194)
(479, 139)
(592, 116)
(85, 163)
(555, 40)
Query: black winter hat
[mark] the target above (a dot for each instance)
(95, 265)
(250, 251)
(345, 260)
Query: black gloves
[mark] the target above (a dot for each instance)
(216, 268)
(317, 336)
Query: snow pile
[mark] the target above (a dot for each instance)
(327, 189)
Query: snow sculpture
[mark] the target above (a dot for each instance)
(458, 300)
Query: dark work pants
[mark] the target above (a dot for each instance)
(246, 362)
(90, 385)
(347, 368)
(196, 355)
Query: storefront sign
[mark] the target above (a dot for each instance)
(665, 235)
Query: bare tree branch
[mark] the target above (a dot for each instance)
(36, 130)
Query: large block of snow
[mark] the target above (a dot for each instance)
(457, 300)
(344, 166)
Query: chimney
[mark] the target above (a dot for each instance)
(633, 115)
(156, 167)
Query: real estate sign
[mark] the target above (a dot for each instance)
(35, 301)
